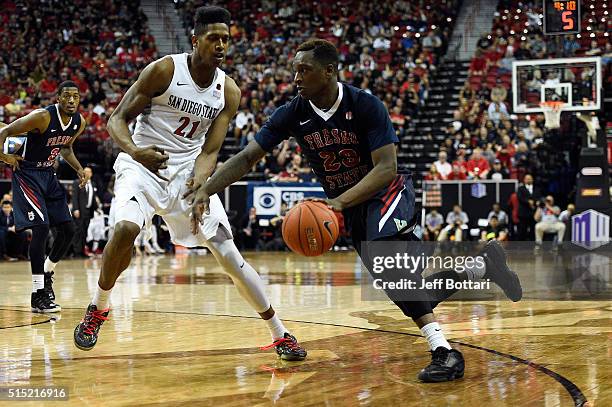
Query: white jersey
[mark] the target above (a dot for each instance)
(177, 120)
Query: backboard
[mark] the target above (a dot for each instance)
(574, 81)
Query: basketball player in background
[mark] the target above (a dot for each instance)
(183, 104)
(347, 137)
(38, 198)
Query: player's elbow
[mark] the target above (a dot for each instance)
(388, 170)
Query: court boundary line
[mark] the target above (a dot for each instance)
(573, 390)
(31, 324)
(575, 393)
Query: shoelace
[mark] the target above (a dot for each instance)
(439, 356)
(290, 341)
(93, 320)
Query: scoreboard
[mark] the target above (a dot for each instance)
(561, 17)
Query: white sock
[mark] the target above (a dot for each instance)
(276, 327)
(38, 282)
(49, 266)
(433, 333)
(101, 298)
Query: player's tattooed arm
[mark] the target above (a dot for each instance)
(383, 173)
(207, 160)
(153, 81)
(67, 154)
(231, 171)
(36, 121)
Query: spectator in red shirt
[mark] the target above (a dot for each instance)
(478, 166)
(48, 86)
(492, 56)
(433, 174)
(506, 151)
(458, 174)
(479, 64)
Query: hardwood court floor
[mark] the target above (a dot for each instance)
(179, 334)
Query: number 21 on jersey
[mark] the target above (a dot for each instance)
(184, 123)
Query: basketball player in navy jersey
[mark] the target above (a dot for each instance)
(183, 104)
(39, 199)
(347, 137)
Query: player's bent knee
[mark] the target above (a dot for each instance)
(126, 231)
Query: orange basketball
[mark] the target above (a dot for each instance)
(310, 228)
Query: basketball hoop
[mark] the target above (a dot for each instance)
(552, 113)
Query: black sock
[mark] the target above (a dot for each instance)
(443, 293)
(65, 233)
(37, 248)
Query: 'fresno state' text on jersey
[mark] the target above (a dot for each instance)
(337, 143)
(178, 119)
(41, 149)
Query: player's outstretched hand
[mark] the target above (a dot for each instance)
(12, 160)
(152, 158)
(200, 206)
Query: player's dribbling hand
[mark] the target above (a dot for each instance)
(153, 159)
(332, 204)
(12, 160)
(199, 207)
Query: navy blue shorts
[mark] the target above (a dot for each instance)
(38, 198)
(388, 215)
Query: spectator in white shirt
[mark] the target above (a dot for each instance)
(547, 218)
(456, 221)
(444, 168)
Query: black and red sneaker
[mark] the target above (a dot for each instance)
(287, 348)
(86, 332)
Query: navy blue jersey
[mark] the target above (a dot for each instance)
(338, 142)
(41, 149)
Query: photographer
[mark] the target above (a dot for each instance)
(547, 218)
(456, 221)
(244, 127)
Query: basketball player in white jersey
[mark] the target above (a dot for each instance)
(183, 104)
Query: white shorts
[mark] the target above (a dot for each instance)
(154, 196)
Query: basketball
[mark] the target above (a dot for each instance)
(310, 228)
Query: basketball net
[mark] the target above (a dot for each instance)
(552, 114)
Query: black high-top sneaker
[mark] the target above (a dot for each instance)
(41, 302)
(499, 272)
(446, 365)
